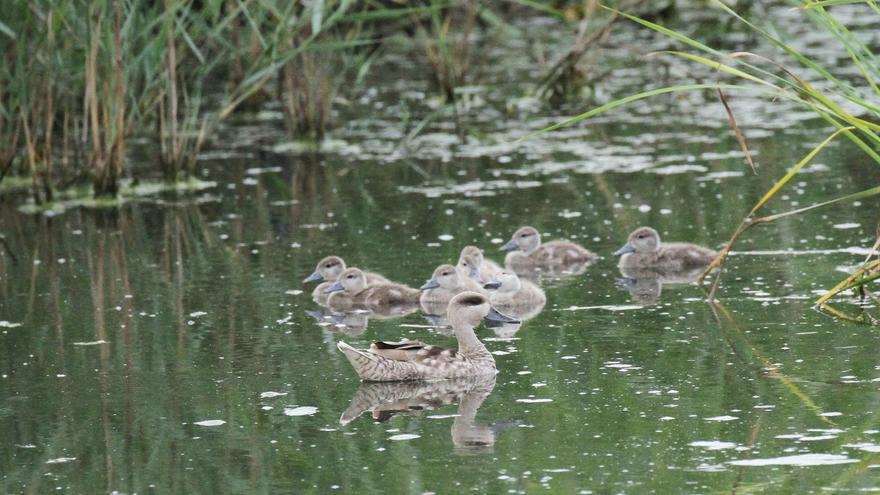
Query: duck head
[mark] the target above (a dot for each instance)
(328, 268)
(525, 239)
(468, 309)
(468, 266)
(350, 280)
(444, 276)
(642, 240)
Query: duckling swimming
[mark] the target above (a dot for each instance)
(509, 290)
(352, 291)
(643, 250)
(485, 267)
(411, 360)
(445, 283)
(528, 254)
(328, 269)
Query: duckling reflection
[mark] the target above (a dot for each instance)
(527, 254)
(643, 250)
(328, 271)
(355, 323)
(351, 291)
(388, 399)
(646, 285)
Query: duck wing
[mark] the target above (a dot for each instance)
(413, 351)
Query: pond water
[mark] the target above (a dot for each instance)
(169, 346)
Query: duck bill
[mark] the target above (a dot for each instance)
(430, 284)
(510, 246)
(334, 288)
(313, 278)
(493, 285)
(626, 249)
(494, 315)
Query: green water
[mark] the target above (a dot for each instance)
(125, 329)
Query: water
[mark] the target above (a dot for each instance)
(166, 347)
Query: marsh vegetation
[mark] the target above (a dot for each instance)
(172, 172)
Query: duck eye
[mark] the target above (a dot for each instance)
(351, 276)
(641, 236)
(328, 265)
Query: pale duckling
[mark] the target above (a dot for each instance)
(328, 270)
(528, 254)
(509, 290)
(411, 360)
(486, 267)
(445, 283)
(351, 291)
(644, 250)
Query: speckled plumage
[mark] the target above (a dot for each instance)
(529, 254)
(412, 360)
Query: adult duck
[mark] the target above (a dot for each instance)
(412, 360)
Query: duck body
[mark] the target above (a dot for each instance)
(352, 291)
(446, 282)
(644, 251)
(413, 360)
(527, 253)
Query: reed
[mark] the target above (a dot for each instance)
(778, 81)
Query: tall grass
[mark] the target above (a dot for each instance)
(781, 80)
(76, 85)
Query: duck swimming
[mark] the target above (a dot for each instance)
(351, 291)
(445, 283)
(509, 290)
(328, 269)
(485, 267)
(643, 250)
(528, 254)
(412, 360)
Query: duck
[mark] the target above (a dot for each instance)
(643, 250)
(509, 290)
(528, 254)
(328, 270)
(471, 255)
(413, 360)
(352, 291)
(445, 283)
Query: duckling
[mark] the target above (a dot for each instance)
(411, 360)
(644, 250)
(445, 283)
(487, 268)
(528, 254)
(509, 290)
(352, 291)
(328, 269)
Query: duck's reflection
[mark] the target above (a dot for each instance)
(385, 400)
(645, 285)
(356, 322)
